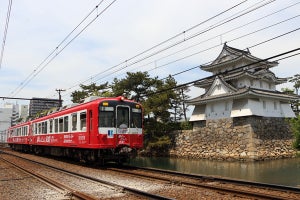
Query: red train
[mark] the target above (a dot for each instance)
(104, 129)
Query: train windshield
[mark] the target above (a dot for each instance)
(136, 118)
(107, 116)
(122, 117)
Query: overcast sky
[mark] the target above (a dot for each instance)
(107, 47)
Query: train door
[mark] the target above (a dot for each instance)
(90, 131)
(122, 125)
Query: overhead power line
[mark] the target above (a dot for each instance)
(126, 63)
(232, 70)
(57, 51)
(5, 31)
(234, 39)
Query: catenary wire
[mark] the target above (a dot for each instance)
(155, 46)
(260, 43)
(173, 37)
(221, 73)
(222, 22)
(222, 34)
(248, 66)
(5, 31)
(55, 52)
(230, 41)
(289, 32)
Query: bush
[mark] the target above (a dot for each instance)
(295, 124)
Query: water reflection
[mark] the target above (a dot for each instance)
(283, 172)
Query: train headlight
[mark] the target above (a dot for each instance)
(121, 98)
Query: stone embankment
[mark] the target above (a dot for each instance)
(246, 138)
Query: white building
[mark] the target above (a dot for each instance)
(5, 120)
(241, 85)
(9, 115)
(24, 111)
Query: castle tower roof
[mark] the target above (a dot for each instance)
(231, 57)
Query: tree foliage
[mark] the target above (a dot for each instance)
(134, 86)
(296, 80)
(295, 124)
(163, 105)
(90, 90)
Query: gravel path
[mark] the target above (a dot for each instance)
(18, 185)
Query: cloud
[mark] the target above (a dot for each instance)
(126, 29)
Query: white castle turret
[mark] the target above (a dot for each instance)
(241, 115)
(243, 85)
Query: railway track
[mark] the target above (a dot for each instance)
(199, 185)
(134, 193)
(12, 175)
(238, 187)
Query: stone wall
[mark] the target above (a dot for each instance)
(242, 138)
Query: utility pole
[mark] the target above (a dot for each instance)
(59, 96)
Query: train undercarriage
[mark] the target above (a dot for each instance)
(121, 154)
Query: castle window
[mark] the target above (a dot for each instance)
(264, 105)
(226, 106)
(212, 108)
(261, 84)
(275, 105)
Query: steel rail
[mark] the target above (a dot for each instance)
(275, 188)
(226, 180)
(124, 188)
(75, 193)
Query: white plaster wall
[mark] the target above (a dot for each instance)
(198, 113)
(218, 110)
(5, 118)
(286, 110)
(240, 107)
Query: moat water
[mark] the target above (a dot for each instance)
(280, 172)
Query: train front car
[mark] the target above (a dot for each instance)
(120, 127)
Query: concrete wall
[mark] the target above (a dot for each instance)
(244, 138)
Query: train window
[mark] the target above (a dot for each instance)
(66, 123)
(56, 125)
(50, 125)
(91, 120)
(82, 121)
(45, 127)
(106, 117)
(122, 117)
(39, 128)
(35, 129)
(136, 118)
(61, 124)
(74, 121)
(42, 127)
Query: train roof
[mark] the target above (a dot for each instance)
(72, 108)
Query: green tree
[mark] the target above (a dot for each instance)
(182, 97)
(296, 80)
(134, 86)
(295, 124)
(287, 91)
(160, 101)
(90, 90)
